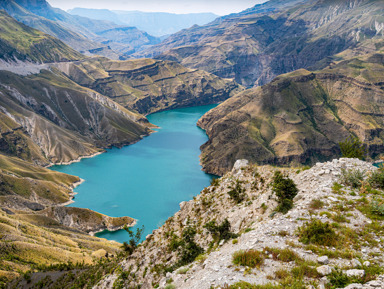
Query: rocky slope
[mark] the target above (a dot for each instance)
(65, 120)
(83, 34)
(255, 46)
(20, 42)
(147, 85)
(299, 117)
(283, 257)
(106, 34)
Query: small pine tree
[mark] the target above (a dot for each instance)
(352, 147)
(285, 190)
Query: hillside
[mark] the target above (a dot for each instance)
(147, 85)
(20, 42)
(83, 34)
(255, 46)
(299, 117)
(218, 241)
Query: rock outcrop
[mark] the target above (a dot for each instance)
(323, 197)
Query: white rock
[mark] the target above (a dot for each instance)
(375, 284)
(355, 263)
(355, 273)
(324, 270)
(182, 204)
(323, 260)
(240, 164)
(367, 263)
(354, 286)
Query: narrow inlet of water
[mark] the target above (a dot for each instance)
(149, 179)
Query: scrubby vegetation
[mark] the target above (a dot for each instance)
(319, 233)
(237, 192)
(134, 240)
(352, 178)
(352, 147)
(285, 189)
(220, 232)
(249, 258)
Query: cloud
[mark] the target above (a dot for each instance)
(220, 7)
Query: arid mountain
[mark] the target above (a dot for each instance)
(299, 117)
(83, 34)
(255, 46)
(147, 85)
(19, 42)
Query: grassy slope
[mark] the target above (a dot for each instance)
(19, 41)
(25, 246)
(299, 117)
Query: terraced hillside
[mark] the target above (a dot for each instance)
(147, 85)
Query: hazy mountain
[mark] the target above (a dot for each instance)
(155, 23)
(19, 42)
(255, 48)
(85, 35)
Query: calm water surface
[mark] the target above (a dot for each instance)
(149, 179)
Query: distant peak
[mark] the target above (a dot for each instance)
(33, 3)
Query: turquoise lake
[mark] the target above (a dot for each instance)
(149, 179)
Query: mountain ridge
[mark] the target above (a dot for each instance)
(158, 24)
(255, 48)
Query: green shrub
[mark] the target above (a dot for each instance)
(377, 207)
(338, 279)
(304, 270)
(237, 192)
(132, 244)
(220, 232)
(352, 147)
(319, 233)
(352, 178)
(284, 255)
(316, 204)
(249, 258)
(189, 249)
(376, 179)
(285, 190)
(215, 182)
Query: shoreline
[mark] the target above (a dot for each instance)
(73, 194)
(76, 160)
(93, 233)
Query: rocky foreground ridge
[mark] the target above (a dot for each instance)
(340, 197)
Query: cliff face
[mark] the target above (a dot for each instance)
(65, 120)
(299, 117)
(256, 46)
(147, 86)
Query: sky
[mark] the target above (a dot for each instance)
(219, 7)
